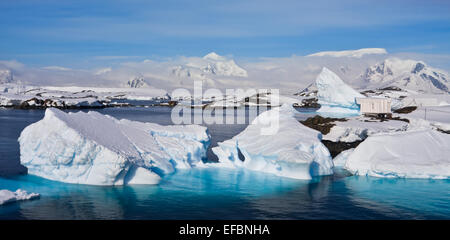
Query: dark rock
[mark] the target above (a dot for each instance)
(443, 131)
(337, 147)
(321, 124)
(406, 109)
(391, 88)
(419, 67)
(310, 103)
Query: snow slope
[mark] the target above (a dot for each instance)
(294, 151)
(91, 148)
(341, 158)
(430, 117)
(359, 128)
(411, 154)
(407, 74)
(334, 95)
(7, 196)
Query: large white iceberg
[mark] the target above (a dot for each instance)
(294, 151)
(7, 196)
(92, 148)
(411, 154)
(334, 95)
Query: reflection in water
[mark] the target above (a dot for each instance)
(188, 194)
(70, 201)
(419, 198)
(214, 193)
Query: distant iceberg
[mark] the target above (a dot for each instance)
(411, 154)
(294, 151)
(334, 95)
(7, 196)
(92, 148)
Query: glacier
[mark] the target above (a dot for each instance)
(410, 154)
(334, 95)
(294, 151)
(7, 196)
(92, 148)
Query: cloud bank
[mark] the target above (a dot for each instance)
(289, 74)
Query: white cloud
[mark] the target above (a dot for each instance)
(350, 53)
(56, 68)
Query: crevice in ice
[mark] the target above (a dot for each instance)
(240, 155)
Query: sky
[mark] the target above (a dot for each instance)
(88, 34)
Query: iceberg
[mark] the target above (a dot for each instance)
(294, 151)
(411, 154)
(7, 196)
(334, 95)
(97, 149)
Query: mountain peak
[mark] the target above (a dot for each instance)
(214, 56)
(212, 65)
(407, 74)
(137, 82)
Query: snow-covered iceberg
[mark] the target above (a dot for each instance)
(294, 151)
(7, 196)
(334, 95)
(92, 148)
(411, 154)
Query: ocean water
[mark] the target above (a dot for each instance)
(213, 193)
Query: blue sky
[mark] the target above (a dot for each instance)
(84, 33)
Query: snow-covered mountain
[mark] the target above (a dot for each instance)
(6, 76)
(209, 66)
(221, 66)
(407, 74)
(137, 82)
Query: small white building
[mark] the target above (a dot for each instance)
(374, 106)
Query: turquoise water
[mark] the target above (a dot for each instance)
(231, 194)
(214, 193)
